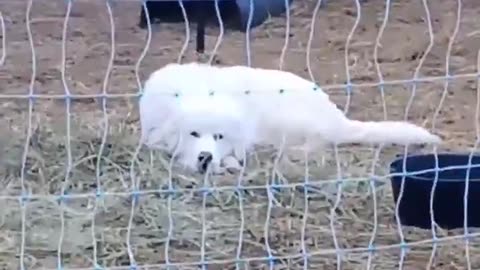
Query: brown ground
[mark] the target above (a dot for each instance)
(403, 47)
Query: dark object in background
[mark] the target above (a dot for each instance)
(234, 13)
(448, 203)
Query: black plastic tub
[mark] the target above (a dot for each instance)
(448, 198)
(240, 15)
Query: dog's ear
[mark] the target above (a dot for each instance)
(162, 139)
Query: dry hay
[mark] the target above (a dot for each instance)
(279, 215)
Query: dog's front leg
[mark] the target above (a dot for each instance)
(232, 165)
(240, 154)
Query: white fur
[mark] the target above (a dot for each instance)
(280, 107)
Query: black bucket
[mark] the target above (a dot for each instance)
(448, 198)
(235, 14)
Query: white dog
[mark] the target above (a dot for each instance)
(202, 114)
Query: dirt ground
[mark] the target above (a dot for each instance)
(183, 229)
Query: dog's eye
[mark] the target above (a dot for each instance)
(195, 134)
(217, 137)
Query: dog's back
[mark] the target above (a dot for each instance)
(276, 105)
(281, 103)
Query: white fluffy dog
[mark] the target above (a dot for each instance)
(203, 114)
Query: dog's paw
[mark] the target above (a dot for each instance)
(219, 170)
(232, 165)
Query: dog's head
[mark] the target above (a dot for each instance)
(200, 149)
(211, 128)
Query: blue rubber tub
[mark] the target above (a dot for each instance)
(448, 203)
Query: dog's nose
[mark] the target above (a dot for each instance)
(204, 159)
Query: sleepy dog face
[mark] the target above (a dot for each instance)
(200, 149)
(212, 128)
(196, 149)
(199, 131)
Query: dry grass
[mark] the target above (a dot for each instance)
(215, 217)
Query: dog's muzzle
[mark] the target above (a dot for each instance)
(204, 159)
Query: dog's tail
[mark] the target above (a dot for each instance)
(388, 132)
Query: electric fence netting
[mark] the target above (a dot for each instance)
(80, 191)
